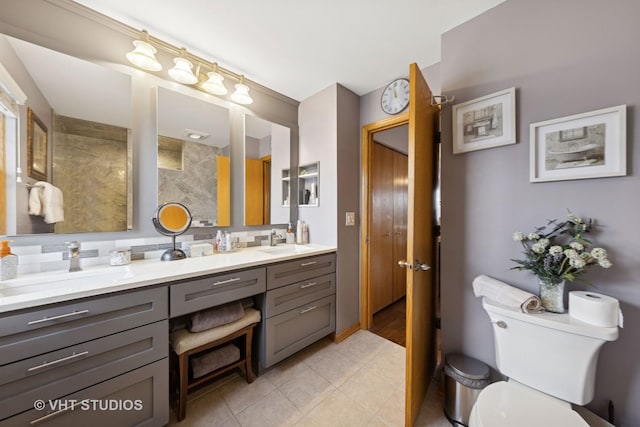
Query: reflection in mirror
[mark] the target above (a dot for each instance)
(267, 148)
(84, 112)
(193, 156)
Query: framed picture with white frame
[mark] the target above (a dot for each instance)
(586, 145)
(486, 122)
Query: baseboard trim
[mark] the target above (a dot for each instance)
(346, 333)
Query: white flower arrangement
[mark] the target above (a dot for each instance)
(562, 253)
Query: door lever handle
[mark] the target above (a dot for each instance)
(420, 266)
(403, 263)
(416, 267)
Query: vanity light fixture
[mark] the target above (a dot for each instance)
(214, 83)
(182, 71)
(241, 95)
(144, 55)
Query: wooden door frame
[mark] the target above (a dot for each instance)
(366, 316)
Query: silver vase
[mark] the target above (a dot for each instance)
(552, 296)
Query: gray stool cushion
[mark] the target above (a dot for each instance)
(183, 340)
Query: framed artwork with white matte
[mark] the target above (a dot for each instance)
(585, 145)
(485, 122)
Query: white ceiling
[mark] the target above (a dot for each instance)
(299, 47)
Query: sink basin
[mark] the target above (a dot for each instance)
(60, 280)
(284, 249)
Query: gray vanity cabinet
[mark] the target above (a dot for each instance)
(191, 295)
(109, 347)
(299, 306)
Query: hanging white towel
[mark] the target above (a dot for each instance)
(46, 200)
(35, 199)
(52, 204)
(485, 286)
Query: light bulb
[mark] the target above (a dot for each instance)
(181, 72)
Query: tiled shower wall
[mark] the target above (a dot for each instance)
(43, 258)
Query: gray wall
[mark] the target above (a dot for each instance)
(329, 133)
(348, 193)
(564, 58)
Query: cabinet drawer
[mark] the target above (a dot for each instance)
(194, 295)
(299, 270)
(41, 331)
(137, 398)
(64, 371)
(289, 297)
(290, 332)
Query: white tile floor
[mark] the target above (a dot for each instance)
(359, 382)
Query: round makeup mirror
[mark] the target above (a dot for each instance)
(172, 219)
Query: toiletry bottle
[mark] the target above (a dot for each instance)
(8, 262)
(305, 232)
(299, 233)
(218, 242)
(291, 238)
(227, 241)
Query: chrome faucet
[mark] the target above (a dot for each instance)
(74, 256)
(272, 238)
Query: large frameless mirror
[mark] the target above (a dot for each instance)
(72, 131)
(193, 156)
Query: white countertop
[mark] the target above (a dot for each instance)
(38, 289)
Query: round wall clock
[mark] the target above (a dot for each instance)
(395, 96)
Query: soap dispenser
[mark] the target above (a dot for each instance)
(290, 237)
(8, 262)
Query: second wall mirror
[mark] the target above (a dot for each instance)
(193, 157)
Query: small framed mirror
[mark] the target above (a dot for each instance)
(172, 219)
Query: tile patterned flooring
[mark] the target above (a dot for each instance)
(359, 382)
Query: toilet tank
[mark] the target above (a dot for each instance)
(550, 352)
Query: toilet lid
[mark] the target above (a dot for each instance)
(508, 404)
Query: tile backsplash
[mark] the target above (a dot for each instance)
(52, 257)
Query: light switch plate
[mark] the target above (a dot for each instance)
(350, 219)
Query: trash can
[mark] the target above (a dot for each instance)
(465, 378)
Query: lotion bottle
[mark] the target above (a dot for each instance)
(299, 233)
(8, 262)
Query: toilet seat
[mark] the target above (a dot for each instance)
(508, 404)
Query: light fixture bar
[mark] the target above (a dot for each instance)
(134, 33)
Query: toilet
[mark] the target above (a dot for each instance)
(550, 360)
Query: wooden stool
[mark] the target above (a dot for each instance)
(186, 344)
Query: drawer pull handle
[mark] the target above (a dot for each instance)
(62, 316)
(308, 285)
(224, 282)
(304, 264)
(306, 310)
(55, 362)
(54, 414)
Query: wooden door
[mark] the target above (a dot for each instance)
(266, 189)
(253, 192)
(400, 170)
(382, 270)
(423, 119)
